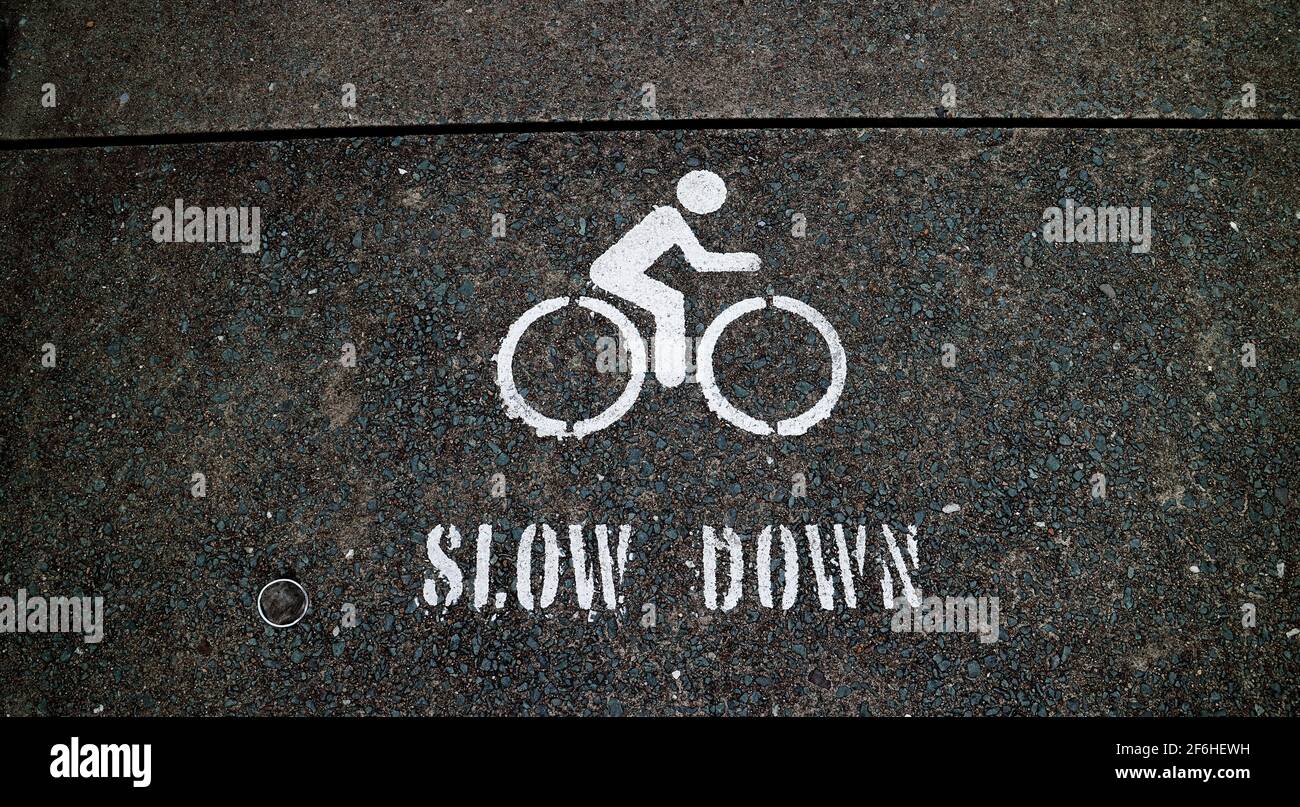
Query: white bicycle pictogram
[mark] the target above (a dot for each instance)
(621, 271)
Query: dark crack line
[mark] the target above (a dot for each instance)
(657, 125)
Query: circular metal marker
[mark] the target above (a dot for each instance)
(282, 603)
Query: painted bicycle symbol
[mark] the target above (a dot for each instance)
(621, 271)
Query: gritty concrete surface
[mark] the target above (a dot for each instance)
(1071, 360)
(144, 67)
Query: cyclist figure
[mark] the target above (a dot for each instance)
(621, 270)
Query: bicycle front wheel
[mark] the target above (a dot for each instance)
(724, 409)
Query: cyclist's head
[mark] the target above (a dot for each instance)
(701, 191)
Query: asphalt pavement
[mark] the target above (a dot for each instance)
(1066, 361)
(138, 67)
(1092, 438)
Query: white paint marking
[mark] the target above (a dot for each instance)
(913, 598)
(731, 541)
(621, 271)
(825, 583)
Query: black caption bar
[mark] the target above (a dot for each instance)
(302, 756)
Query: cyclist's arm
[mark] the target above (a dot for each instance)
(697, 256)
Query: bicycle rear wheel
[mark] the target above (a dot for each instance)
(517, 407)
